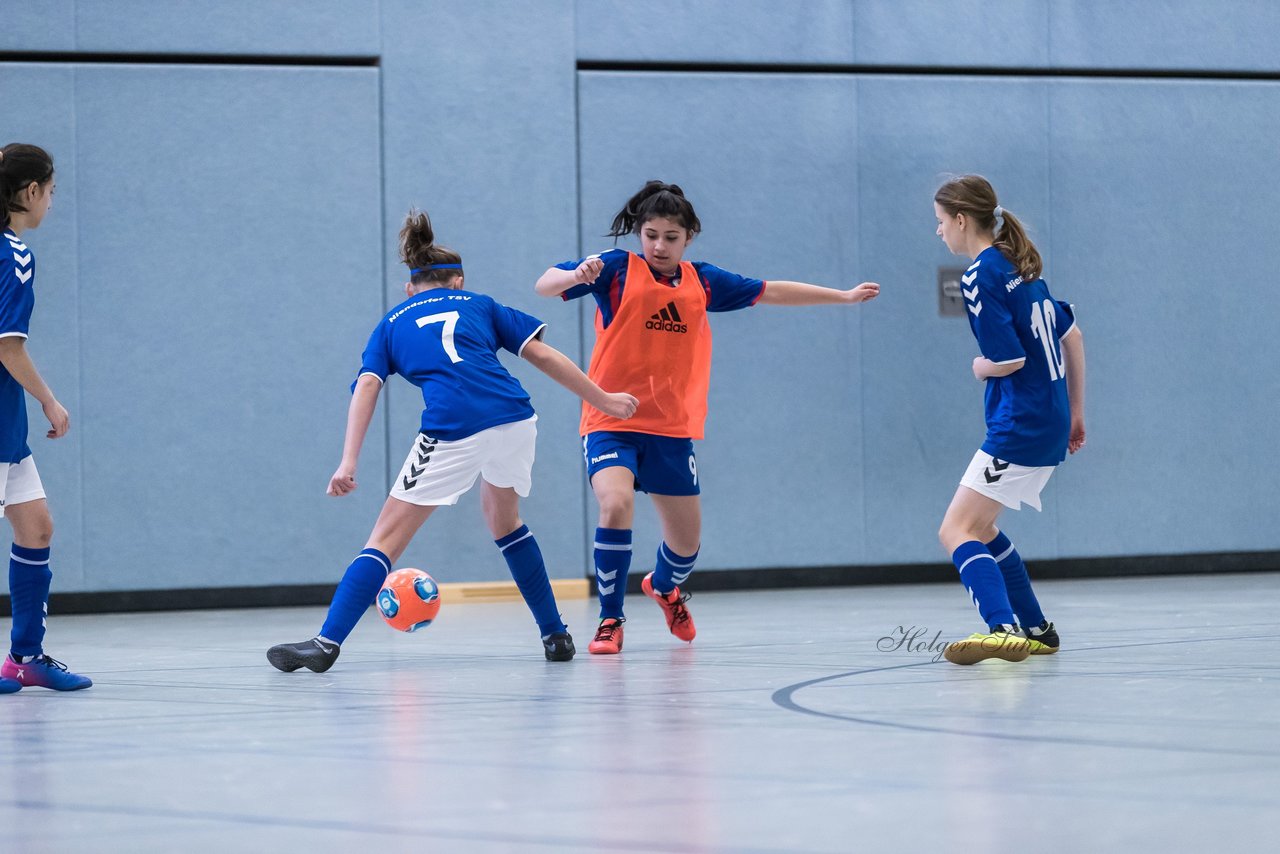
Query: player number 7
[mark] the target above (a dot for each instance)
(450, 321)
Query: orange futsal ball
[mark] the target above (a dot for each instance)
(409, 600)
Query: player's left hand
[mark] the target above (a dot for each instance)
(863, 292)
(1076, 440)
(59, 420)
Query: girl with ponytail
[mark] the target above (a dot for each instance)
(26, 192)
(653, 337)
(1032, 362)
(477, 423)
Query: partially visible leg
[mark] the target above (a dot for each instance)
(29, 581)
(397, 524)
(681, 517)
(969, 523)
(614, 489)
(501, 506)
(29, 575)
(1016, 581)
(357, 590)
(1040, 632)
(507, 476)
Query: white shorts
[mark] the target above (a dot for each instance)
(19, 482)
(438, 472)
(1009, 483)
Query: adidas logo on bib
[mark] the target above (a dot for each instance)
(667, 320)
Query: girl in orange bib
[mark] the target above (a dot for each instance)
(653, 339)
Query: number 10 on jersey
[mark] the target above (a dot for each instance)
(1044, 326)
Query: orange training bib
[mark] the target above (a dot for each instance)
(658, 348)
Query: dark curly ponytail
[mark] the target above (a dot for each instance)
(655, 200)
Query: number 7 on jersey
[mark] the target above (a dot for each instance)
(450, 321)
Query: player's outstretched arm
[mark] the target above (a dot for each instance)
(556, 281)
(17, 361)
(1073, 355)
(364, 400)
(561, 368)
(802, 293)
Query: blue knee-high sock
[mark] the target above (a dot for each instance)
(29, 579)
(672, 570)
(1016, 581)
(356, 592)
(980, 575)
(613, 560)
(524, 559)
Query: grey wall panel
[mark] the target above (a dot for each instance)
(228, 233)
(484, 140)
(959, 33)
(781, 466)
(924, 409)
(1148, 34)
(38, 25)
(1164, 227)
(54, 342)
(1165, 34)
(743, 31)
(224, 238)
(317, 27)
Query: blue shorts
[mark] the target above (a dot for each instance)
(661, 465)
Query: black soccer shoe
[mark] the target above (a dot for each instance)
(558, 646)
(1044, 639)
(316, 655)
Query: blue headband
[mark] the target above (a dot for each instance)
(416, 270)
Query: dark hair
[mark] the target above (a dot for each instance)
(655, 200)
(20, 166)
(419, 250)
(973, 196)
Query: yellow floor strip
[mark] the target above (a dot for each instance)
(506, 591)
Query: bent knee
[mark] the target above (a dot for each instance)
(616, 509)
(951, 536)
(35, 536)
(502, 523)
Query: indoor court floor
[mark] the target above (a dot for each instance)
(796, 722)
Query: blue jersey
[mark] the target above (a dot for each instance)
(1028, 416)
(17, 299)
(446, 343)
(725, 291)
